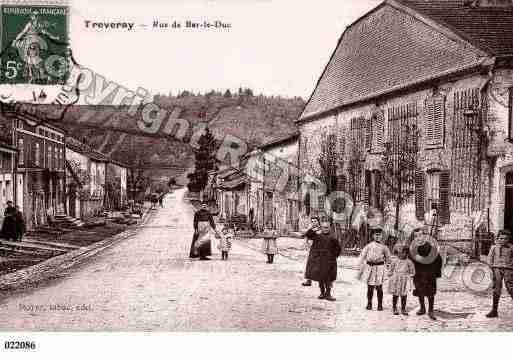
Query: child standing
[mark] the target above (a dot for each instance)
(225, 242)
(500, 259)
(372, 267)
(401, 272)
(269, 245)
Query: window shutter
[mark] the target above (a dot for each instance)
(428, 121)
(420, 189)
(377, 189)
(368, 134)
(378, 131)
(434, 121)
(439, 121)
(445, 187)
(341, 183)
(368, 194)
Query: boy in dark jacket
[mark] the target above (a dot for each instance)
(428, 267)
(322, 261)
(500, 259)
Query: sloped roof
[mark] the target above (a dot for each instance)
(395, 46)
(488, 28)
(233, 184)
(86, 150)
(279, 140)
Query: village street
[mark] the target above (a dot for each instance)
(147, 282)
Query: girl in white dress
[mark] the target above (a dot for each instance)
(401, 273)
(269, 245)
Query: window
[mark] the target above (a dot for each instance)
(37, 155)
(21, 151)
(377, 125)
(307, 204)
(55, 158)
(49, 157)
(434, 121)
(433, 190)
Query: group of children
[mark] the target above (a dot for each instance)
(417, 272)
(269, 245)
(411, 271)
(421, 267)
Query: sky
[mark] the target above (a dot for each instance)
(275, 47)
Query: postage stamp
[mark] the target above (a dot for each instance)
(34, 42)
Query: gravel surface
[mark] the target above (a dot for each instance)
(147, 283)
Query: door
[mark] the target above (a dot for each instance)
(508, 202)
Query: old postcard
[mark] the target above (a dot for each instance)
(256, 166)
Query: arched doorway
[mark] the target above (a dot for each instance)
(508, 202)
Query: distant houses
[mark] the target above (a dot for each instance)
(48, 173)
(260, 192)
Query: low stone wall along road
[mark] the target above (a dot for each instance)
(146, 282)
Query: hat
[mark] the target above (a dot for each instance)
(504, 232)
(399, 248)
(376, 229)
(424, 249)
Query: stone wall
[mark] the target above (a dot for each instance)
(430, 159)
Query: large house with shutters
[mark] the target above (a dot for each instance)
(40, 174)
(431, 80)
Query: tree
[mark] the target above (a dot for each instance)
(205, 162)
(328, 159)
(400, 165)
(82, 179)
(227, 94)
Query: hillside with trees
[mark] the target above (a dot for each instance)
(252, 118)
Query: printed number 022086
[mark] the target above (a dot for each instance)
(20, 345)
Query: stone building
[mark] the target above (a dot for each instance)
(233, 188)
(437, 76)
(40, 174)
(7, 158)
(280, 201)
(86, 170)
(261, 189)
(116, 178)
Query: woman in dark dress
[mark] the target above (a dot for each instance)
(322, 261)
(428, 267)
(20, 224)
(204, 232)
(310, 235)
(9, 228)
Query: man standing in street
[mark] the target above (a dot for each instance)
(322, 261)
